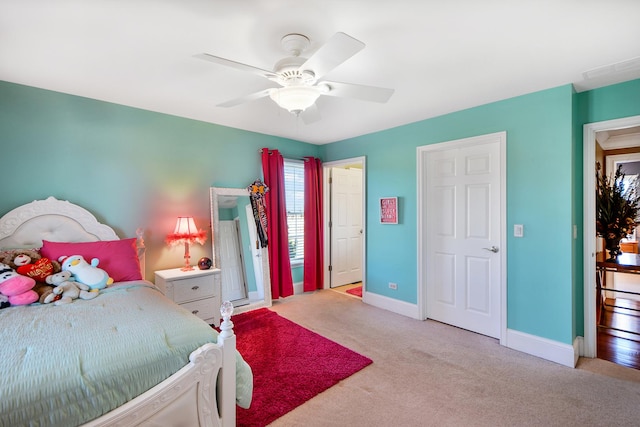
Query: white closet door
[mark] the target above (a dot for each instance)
(346, 228)
(464, 235)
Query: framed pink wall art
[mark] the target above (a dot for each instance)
(388, 210)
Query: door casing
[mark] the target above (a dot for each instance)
(589, 344)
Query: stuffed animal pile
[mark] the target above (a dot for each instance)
(26, 277)
(30, 263)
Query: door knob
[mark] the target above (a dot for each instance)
(493, 249)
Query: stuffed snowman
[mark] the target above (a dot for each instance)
(83, 272)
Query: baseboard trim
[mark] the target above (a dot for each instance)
(390, 304)
(578, 346)
(554, 351)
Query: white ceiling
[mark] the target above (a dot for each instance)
(439, 56)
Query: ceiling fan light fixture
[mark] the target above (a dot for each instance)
(295, 99)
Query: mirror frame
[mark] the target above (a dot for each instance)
(215, 225)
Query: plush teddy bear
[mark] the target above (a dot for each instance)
(83, 272)
(30, 263)
(67, 289)
(17, 288)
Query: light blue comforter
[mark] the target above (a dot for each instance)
(65, 365)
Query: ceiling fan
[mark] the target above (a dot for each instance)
(300, 78)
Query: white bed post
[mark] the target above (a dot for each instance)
(227, 338)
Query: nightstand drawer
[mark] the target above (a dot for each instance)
(193, 288)
(203, 308)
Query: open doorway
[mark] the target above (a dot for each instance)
(607, 142)
(344, 224)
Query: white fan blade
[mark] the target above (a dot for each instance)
(311, 115)
(237, 65)
(350, 90)
(246, 98)
(334, 52)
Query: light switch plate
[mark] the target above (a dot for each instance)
(518, 230)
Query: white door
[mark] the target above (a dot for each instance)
(346, 226)
(463, 234)
(232, 271)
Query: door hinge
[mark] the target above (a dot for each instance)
(330, 180)
(330, 267)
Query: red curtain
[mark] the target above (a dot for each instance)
(277, 230)
(313, 232)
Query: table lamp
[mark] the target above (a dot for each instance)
(186, 232)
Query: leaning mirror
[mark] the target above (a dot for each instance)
(244, 266)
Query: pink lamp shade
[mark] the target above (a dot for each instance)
(186, 232)
(185, 226)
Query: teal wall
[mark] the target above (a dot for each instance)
(138, 168)
(297, 274)
(544, 192)
(539, 185)
(608, 103)
(577, 263)
(132, 167)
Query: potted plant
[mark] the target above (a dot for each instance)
(617, 205)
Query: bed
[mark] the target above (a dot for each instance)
(127, 357)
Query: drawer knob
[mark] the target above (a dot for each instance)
(195, 288)
(195, 311)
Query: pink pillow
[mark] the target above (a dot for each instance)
(119, 258)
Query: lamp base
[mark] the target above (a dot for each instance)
(187, 257)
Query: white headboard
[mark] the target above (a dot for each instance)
(57, 221)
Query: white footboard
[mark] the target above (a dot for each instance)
(203, 393)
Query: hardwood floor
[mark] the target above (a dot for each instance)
(615, 345)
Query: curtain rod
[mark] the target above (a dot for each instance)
(304, 159)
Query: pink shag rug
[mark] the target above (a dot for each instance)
(290, 364)
(357, 291)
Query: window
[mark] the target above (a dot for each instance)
(294, 199)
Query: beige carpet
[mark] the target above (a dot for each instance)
(431, 374)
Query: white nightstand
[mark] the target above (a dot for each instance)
(196, 290)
